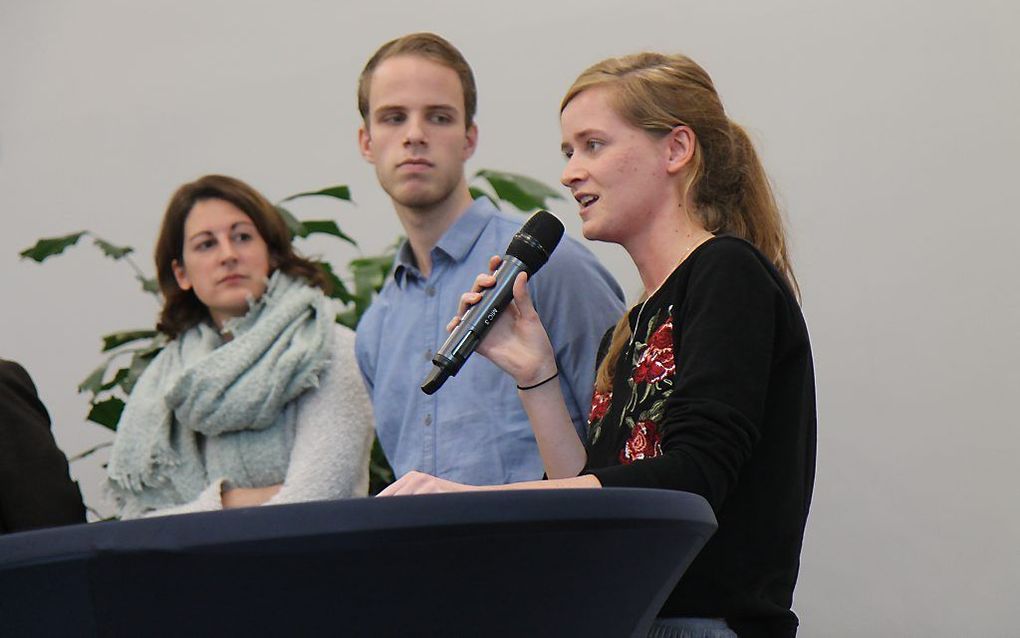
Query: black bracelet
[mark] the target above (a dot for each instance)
(531, 387)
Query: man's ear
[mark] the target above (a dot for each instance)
(680, 144)
(470, 141)
(365, 143)
(182, 278)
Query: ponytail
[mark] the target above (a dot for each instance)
(726, 181)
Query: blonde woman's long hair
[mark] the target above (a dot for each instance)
(726, 181)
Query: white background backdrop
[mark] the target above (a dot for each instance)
(889, 128)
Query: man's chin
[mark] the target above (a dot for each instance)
(418, 199)
(420, 193)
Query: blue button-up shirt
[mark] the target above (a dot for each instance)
(474, 429)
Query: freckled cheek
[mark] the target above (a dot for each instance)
(630, 165)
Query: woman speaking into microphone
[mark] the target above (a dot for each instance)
(706, 385)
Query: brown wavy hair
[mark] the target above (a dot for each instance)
(431, 47)
(181, 308)
(727, 183)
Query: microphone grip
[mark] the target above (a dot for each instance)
(479, 318)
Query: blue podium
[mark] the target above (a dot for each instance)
(515, 563)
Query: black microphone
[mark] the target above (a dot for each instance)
(528, 251)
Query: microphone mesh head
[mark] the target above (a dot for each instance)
(536, 240)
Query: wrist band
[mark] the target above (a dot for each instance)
(530, 387)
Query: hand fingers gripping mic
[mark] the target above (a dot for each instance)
(528, 251)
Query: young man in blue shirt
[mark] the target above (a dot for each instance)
(417, 100)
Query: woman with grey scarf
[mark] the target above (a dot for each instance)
(257, 398)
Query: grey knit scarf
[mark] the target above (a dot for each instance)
(205, 409)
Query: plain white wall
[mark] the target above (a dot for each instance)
(889, 128)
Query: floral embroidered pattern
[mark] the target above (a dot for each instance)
(650, 383)
(600, 403)
(656, 362)
(599, 406)
(645, 442)
(645, 383)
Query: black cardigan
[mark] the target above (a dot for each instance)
(724, 409)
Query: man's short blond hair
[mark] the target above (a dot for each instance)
(431, 47)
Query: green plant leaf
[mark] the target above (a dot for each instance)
(339, 288)
(478, 192)
(328, 227)
(111, 251)
(364, 285)
(153, 348)
(117, 378)
(369, 277)
(338, 192)
(376, 262)
(139, 362)
(117, 339)
(89, 452)
(107, 413)
(372, 269)
(148, 284)
(94, 382)
(524, 192)
(380, 474)
(47, 247)
(348, 318)
(296, 228)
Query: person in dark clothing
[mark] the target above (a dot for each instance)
(707, 384)
(36, 489)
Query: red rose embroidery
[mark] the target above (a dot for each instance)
(645, 442)
(662, 339)
(656, 362)
(599, 406)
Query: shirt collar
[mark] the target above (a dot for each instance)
(455, 243)
(404, 262)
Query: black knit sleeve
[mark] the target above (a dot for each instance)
(35, 488)
(724, 317)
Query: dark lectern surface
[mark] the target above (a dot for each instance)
(515, 563)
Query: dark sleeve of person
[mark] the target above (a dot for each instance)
(724, 336)
(36, 489)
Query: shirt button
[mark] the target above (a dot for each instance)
(430, 291)
(428, 420)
